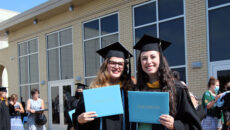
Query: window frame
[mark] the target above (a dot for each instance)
(156, 23)
(59, 46)
(97, 37)
(28, 85)
(212, 64)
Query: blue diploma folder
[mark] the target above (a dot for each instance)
(147, 107)
(105, 101)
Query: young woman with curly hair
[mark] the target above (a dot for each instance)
(155, 75)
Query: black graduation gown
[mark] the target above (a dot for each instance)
(71, 104)
(114, 122)
(186, 117)
(4, 116)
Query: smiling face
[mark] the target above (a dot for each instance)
(150, 61)
(115, 67)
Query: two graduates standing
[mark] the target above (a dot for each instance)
(153, 75)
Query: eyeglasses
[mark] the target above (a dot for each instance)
(120, 64)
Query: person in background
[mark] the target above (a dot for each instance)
(16, 122)
(154, 75)
(209, 100)
(176, 75)
(4, 110)
(73, 101)
(217, 91)
(34, 104)
(226, 107)
(115, 70)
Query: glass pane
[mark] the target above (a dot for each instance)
(66, 36)
(212, 3)
(23, 63)
(55, 105)
(223, 77)
(219, 33)
(91, 29)
(145, 14)
(105, 41)
(177, 49)
(181, 72)
(66, 98)
(149, 30)
(92, 60)
(34, 86)
(170, 8)
(22, 48)
(109, 24)
(25, 92)
(33, 47)
(52, 40)
(34, 73)
(88, 81)
(53, 65)
(66, 62)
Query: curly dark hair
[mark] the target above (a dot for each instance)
(165, 78)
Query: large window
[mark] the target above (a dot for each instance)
(219, 29)
(98, 33)
(28, 67)
(163, 19)
(60, 55)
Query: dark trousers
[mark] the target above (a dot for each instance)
(226, 118)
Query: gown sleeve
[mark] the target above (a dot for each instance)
(93, 125)
(186, 117)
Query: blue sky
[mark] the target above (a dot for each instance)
(20, 5)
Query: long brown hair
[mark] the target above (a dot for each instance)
(102, 79)
(165, 78)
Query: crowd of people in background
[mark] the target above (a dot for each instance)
(187, 112)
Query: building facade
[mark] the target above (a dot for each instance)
(53, 45)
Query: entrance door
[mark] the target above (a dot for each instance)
(59, 93)
(222, 73)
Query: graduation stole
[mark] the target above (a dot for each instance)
(2, 99)
(121, 85)
(155, 84)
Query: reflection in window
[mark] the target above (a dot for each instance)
(182, 73)
(145, 14)
(170, 8)
(60, 55)
(55, 105)
(149, 30)
(219, 33)
(223, 77)
(92, 60)
(53, 65)
(66, 98)
(91, 29)
(95, 39)
(177, 48)
(212, 3)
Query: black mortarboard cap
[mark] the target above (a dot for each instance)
(3, 89)
(81, 86)
(114, 50)
(148, 43)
